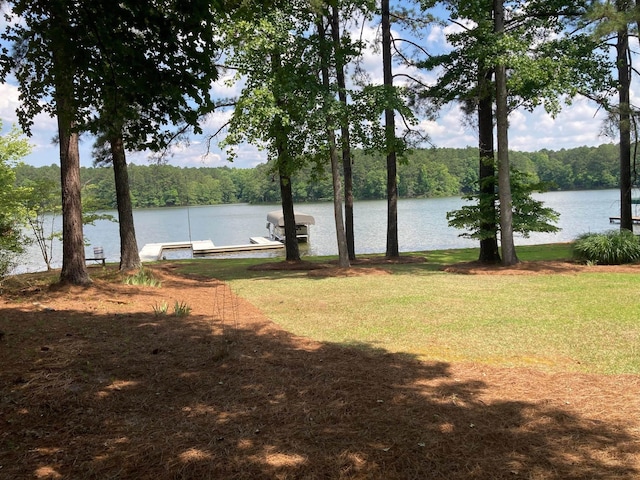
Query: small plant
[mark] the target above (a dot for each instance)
(614, 247)
(143, 277)
(181, 309)
(160, 309)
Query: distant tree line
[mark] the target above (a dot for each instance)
(424, 173)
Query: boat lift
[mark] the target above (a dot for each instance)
(275, 225)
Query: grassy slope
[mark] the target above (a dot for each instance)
(577, 322)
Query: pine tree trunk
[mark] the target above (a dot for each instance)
(393, 249)
(74, 268)
(487, 171)
(504, 175)
(129, 256)
(284, 172)
(343, 253)
(345, 136)
(291, 240)
(624, 85)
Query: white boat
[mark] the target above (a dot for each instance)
(275, 225)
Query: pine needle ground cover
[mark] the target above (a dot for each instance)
(95, 384)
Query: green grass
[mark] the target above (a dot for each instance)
(573, 322)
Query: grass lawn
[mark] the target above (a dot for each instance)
(585, 322)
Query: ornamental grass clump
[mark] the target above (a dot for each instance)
(181, 309)
(143, 278)
(614, 247)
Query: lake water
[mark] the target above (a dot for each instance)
(422, 226)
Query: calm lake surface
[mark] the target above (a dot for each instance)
(422, 226)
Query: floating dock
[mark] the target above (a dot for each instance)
(152, 252)
(634, 220)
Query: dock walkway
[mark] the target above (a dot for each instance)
(152, 252)
(634, 220)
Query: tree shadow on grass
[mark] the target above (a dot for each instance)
(144, 396)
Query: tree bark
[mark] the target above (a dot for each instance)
(487, 170)
(343, 253)
(284, 162)
(393, 250)
(129, 256)
(509, 256)
(291, 240)
(345, 139)
(624, 121)
(74, 268)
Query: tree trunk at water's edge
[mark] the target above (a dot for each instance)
(487, 171)
(507, 244)
(129, 256)
(393, 249)
(74, 268)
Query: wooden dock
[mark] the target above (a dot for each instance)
(634, 220)
(152, 252)
(256, 244)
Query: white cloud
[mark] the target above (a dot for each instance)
(436, 37)
(450, 130)
(9, 101)
(576, 125)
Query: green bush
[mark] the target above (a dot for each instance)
(614, 247)
(181, 309)
(160, 309)
(142, 277)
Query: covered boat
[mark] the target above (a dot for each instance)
(275, 225)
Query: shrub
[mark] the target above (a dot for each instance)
(160, 309)
(143, 277)
(181, 309)
(614, 247)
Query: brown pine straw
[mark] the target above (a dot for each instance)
(93, 385)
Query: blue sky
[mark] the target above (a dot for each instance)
(577, 125)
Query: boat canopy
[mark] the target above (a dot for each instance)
(277, 218)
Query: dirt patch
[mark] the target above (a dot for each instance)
(95, 384)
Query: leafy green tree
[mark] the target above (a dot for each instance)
(509, 256)
(46, 60)
(525, 50)
(13, 214)
(170, 46)
(276, 107)
(81, 54)
(529, 214)
(43, 206)
(614, 20)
